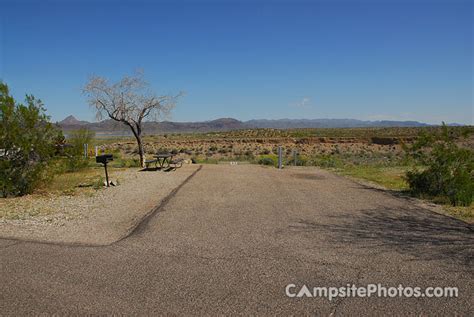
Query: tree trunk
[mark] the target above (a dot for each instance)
(141, 151)
(137, 132)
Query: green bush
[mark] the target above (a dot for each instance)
(447, 167)
(326, 161)
(27, 144)
(76, 163)
(300, 161)
(266, 161)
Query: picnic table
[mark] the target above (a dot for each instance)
(164, 160)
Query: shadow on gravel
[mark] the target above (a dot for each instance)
(413, 231)
(158, 169)
(402, 194)
(309, 176)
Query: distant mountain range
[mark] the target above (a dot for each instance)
(227, 124)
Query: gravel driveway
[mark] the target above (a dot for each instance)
(231, 239)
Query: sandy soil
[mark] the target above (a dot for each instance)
(100, 218)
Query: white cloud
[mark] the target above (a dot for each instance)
(303, 103)
(381, 117)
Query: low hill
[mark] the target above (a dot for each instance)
(229, 124)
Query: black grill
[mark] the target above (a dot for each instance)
(104, 159)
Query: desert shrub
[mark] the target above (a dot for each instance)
(162, 150)
(121, 162)
(249, 154)
(266, 161)
(326, 161)
(383, 141)
(75, 151)
(27, 144)
(300, 161)
(77, 139)
(75, 163)
(447, 168)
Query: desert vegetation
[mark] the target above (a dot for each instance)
(401, 159)
(429, 162)
(35, 156)
(446, 169)
(28, 144)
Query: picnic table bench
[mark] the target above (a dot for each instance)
(177, 163)
(149, 162)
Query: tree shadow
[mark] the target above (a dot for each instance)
(309, 176)
(149, 169)
(412, 231)
(156, 169)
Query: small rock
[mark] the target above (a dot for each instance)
(111, 183)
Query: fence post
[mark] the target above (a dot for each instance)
(280, 157)
(86, 147)
(295, 157)
(96, 150)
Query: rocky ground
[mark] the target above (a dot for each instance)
(249, 149)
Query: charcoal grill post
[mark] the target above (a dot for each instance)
(106, 174)
(104, 159)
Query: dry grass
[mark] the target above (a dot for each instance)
(86, 182)
(389, 177)
(74, 182)
(464, 213)
(392, 178)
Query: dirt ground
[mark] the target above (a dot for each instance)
(100, 218)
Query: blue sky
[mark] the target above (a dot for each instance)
(395, 60)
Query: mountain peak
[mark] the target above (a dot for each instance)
(71, 120)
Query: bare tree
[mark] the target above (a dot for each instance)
(128, 101)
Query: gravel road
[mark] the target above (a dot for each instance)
(232, 238)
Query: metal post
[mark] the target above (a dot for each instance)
(96, 150)
(85, 150)
(295, 153)
(280, 157)
(106, 174)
